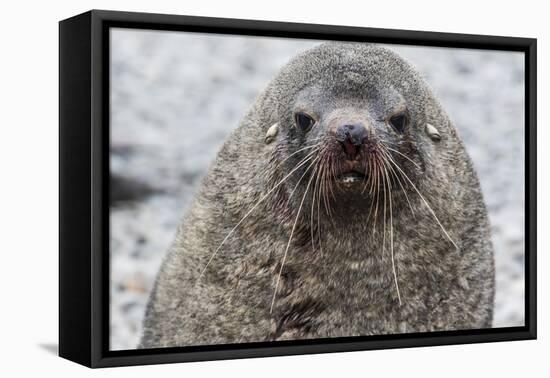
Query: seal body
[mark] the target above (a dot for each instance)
(352, 220)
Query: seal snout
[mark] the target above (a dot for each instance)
(351, 137)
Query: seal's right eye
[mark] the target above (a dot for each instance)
(400, 121)
(303, 121)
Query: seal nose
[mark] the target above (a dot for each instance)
(351, 137)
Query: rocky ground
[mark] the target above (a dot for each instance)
(175, 96)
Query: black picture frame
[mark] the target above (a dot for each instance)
(84, 187)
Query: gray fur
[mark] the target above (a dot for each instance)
(341, 284)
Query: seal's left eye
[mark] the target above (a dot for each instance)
(399, 121)
(304, 121)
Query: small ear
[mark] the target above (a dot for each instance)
(432, 132)
(271, 133)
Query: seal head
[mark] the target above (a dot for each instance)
(356, 118)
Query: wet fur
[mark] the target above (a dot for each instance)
(338, 277)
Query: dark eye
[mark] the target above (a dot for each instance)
(399, 121)
(304, 121)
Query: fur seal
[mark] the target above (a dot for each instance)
(344, 204)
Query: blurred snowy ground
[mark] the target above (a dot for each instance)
(176, 96)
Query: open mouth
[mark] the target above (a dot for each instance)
(351, 177)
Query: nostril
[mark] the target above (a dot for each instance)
(351, 137)
(349, 130)
(356, 134)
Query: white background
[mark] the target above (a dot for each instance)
(29, 186)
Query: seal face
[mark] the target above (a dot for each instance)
(357, 132)
(344, 204)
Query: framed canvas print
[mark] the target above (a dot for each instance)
(234, 188)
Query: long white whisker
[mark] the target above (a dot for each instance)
(315, 148)
(388, 156)
(377, 189)
(391, 237)
(316, 145)
(312, 210)
(384, 220)
(318, 186)
(314, 161)
(426, 203)
(304, 161)
(290, 240)
(405, 156)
